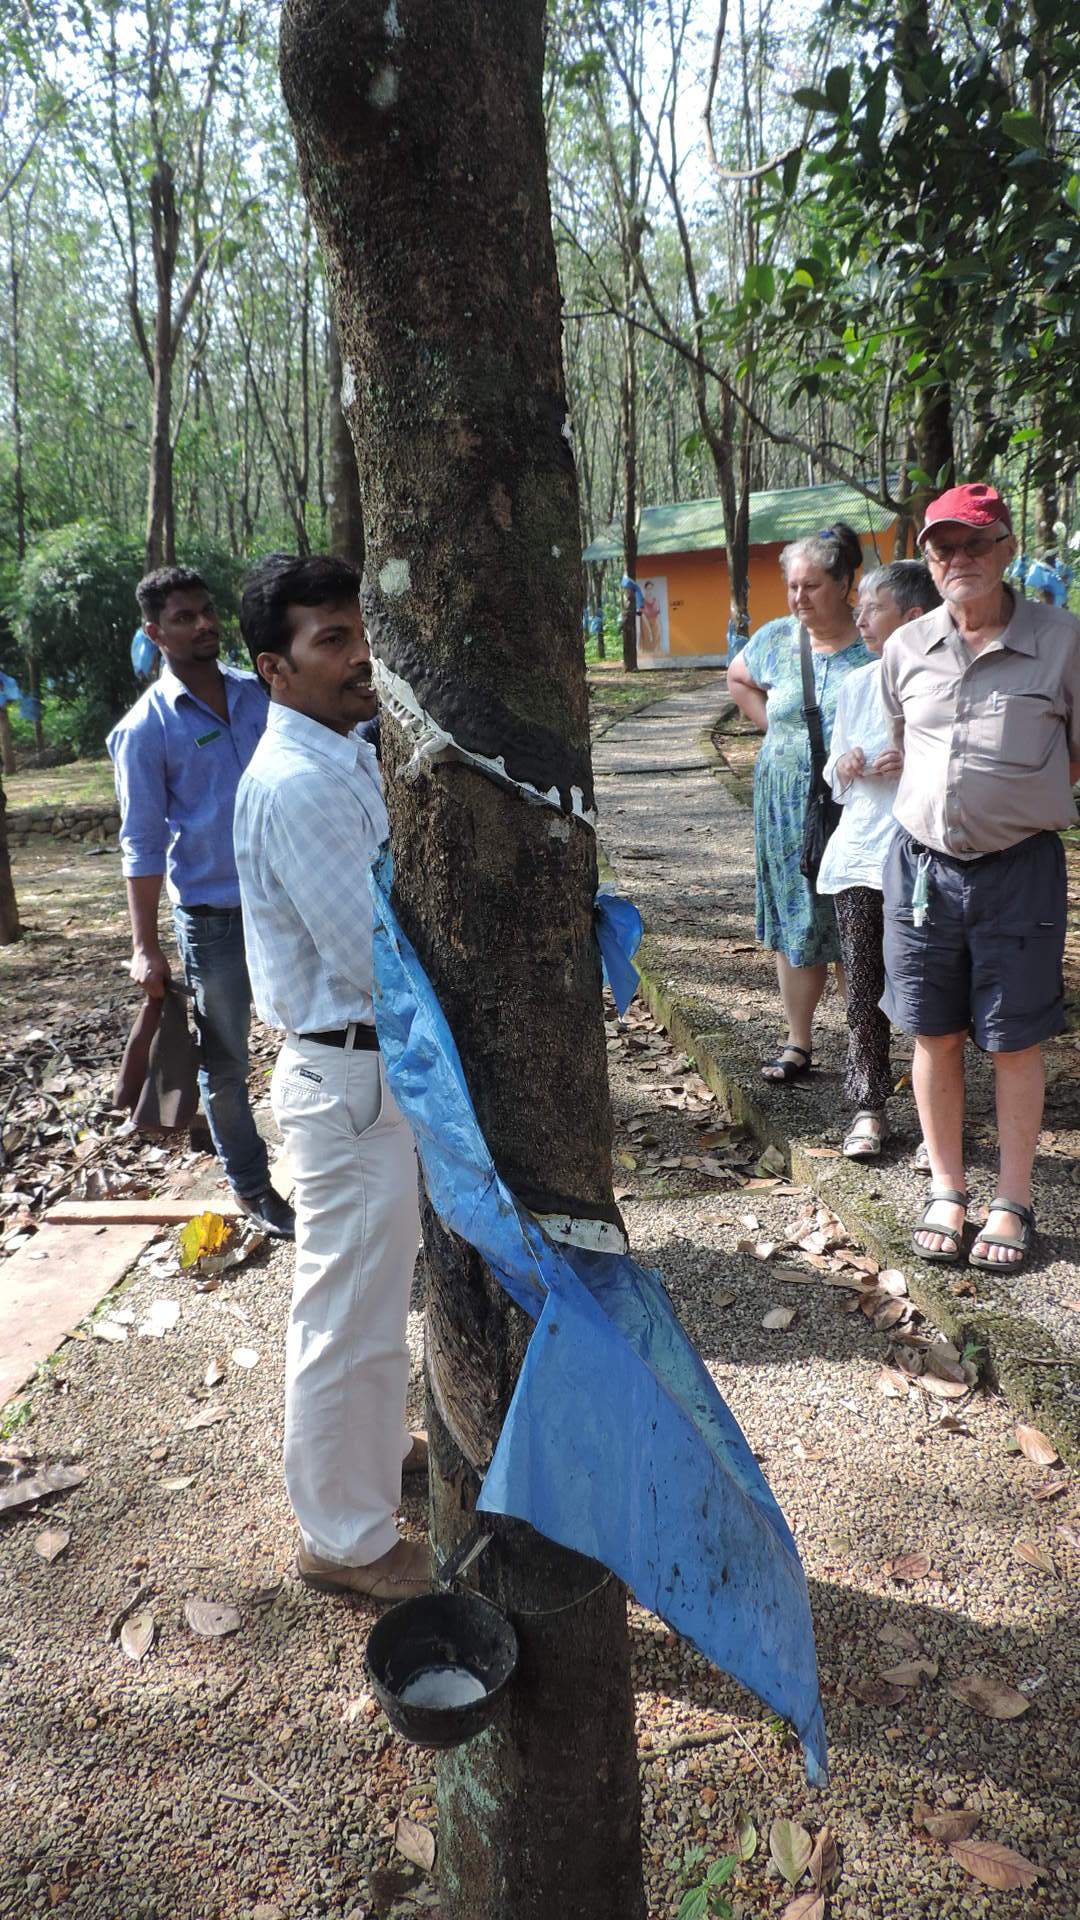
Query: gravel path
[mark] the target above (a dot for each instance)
(682, 846)
(251, 1778)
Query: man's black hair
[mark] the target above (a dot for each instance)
(154, 588)
(285, 580)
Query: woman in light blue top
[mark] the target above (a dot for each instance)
(765, 681)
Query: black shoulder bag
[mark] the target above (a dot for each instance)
(822, 811)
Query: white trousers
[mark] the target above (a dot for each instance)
(346, 1359)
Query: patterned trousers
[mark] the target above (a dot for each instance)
(860, 919)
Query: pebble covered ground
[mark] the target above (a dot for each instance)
(682, 845)
(251, 1777)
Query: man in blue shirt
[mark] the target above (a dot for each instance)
(178, 756)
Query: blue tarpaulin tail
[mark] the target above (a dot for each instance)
(617, 1443)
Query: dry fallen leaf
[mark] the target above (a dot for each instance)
(1034, 1556)
(244, 1357)
(1036, 1447)
(888, 1313)
(823, 1860)
(805, 1906)
(206, 1417)
(176, 1482)
(790, 1846)
(1050, 1488)
(779, 1319)
(746, 1838)
(137, 1635)
(908, 1673)
(989, 1696)
(994, 1865)
(939, 1389)
(906, 1568)
(1070, 1535)
(761, 1249)
(797, 1276)
(951, 1823)
(417, 1843)
(51, 1543)
(875, 1692)
(214, 1375)
(893, 1282)
(892, 1383)
(897, 1636)
(211, 1618)
(821, 1153)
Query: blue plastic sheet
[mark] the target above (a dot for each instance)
(617, 1443)
(619, 928)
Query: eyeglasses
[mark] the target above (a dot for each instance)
(975, 549)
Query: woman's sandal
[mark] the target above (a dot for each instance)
(859, 1143)
(786, 1070)
(1022, 1247)
(920, 1159)
(941, 1256)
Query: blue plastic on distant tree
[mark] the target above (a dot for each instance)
(619, 928)
(9, 691)
(617, 1443)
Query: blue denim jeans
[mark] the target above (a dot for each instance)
(215, 968)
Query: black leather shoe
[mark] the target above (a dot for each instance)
(272, 1213)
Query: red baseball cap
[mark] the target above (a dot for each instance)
(973, 506)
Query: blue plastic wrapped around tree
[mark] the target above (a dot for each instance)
(617, 1443)
(619, 929)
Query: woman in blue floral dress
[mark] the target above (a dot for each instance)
(765, 681)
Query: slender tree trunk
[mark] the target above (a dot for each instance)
(10, 930)
(457, 408)
(343, 496)
(7, 743)
(160, 509)
(629, 431)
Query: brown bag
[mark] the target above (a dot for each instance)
(159, 1073)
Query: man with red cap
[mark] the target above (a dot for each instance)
(983, 696)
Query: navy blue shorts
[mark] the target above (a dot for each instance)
(988, 957)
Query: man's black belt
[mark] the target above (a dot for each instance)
(364, 1039)
(201, 912)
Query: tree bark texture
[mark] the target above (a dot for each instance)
(165, 235)
(346, 513)
(10, 930)
(421, 142)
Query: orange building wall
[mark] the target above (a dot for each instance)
(699, 604)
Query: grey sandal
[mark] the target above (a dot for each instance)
(920, 1159)
(941, 1256)
(999, 1204)
(859, 1145)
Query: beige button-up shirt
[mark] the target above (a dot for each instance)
(987, 737)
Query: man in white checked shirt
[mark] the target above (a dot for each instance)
(309, 818)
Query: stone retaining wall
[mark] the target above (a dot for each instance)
(95, 824)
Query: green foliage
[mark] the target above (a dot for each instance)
(73, 611)
(703, 1899)
(941, 244)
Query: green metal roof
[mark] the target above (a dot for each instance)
(785, 513)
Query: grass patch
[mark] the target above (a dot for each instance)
(82, 783)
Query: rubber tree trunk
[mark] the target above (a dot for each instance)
(345, 510)
(10, 929)
(165, 236)
(421, 143)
